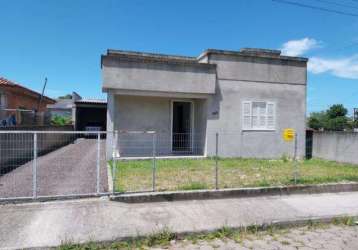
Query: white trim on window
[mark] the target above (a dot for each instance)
(258, 115)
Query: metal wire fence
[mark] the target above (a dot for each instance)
(35, 164)
(220, 160)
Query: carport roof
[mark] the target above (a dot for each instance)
(92, 101)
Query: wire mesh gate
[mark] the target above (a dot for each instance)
(50, 164)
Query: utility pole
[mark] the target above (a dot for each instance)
(42, 94)
(40, 100)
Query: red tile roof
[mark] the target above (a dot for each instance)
(7, 83)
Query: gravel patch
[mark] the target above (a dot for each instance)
(68, 170)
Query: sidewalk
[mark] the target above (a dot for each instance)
(49, 224)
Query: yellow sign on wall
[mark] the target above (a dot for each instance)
(288, 134)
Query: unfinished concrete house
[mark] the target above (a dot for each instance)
(247, 97)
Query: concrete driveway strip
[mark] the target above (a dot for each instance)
(68, 170)
(52, 223)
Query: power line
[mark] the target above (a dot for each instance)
(317, 8)
(338, 4)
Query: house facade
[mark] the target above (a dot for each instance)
(18, 104)
(247, 97)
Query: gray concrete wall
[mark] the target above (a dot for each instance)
(138, 113)
(259, 69)
(259, 81)
(157, 77)
(336, 146)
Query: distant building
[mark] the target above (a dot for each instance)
(86, 114)
(18, 104)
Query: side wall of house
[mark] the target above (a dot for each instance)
(255, 79)
(132, 114)
(16, 99)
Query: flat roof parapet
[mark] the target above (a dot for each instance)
(144, 57)
(253, 52)
(256, 51)
(135, 56)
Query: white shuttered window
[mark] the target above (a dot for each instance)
(258, 115)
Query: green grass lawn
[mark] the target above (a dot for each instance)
(189, 174)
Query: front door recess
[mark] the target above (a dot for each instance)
(182, 127)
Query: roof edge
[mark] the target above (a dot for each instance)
(251, 52)
(132, 56)
(13, 84)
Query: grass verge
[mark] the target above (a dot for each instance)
(165, 237)
(193, 174)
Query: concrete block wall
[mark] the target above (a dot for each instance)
(336, 146)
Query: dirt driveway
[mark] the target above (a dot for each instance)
(68, 170)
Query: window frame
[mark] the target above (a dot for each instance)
(2, 100)
(245, 115)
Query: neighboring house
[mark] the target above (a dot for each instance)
(62, 107)
(247, 96)
(18, 103)
(86, 114)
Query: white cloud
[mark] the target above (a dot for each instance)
(342, 67)
(299, 47)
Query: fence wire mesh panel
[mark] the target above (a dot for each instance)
(70, 165)
(151, 161)
(36, 164)
(16, 168)
(54, 163)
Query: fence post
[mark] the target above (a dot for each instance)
(114, 164)
(154, 161)
(216, 161)
(98, 162)
(34, 169)
(295, 160)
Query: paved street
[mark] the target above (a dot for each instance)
(51, 223)
(68, 170)
(325, 237)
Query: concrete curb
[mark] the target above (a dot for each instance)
(260, 226)
(235, 193)
(279, 224)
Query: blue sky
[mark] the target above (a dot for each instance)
(63, 40)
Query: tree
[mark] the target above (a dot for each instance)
(61, 120)
(337, 110)
(317, 120)
(68, 96)
(338, 123)
(335, 118)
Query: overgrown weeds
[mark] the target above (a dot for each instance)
(165, 237)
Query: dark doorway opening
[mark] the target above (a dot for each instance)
(182, 127)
